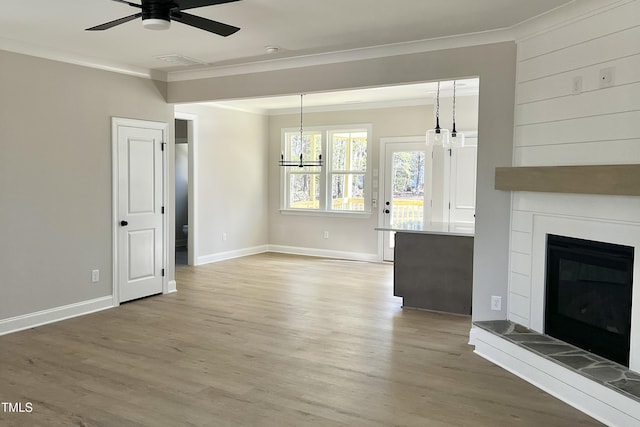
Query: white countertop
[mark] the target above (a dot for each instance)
(452, 229)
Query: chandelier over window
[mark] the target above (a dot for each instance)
(300, 162)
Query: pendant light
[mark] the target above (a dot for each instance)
(438, 137)
(300, 163)
(457, 138)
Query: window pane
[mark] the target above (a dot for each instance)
(358, 151)
(408, 188)
(349, 151)
(304, 191)
(310, 147)
(339, 151)
(347, 192)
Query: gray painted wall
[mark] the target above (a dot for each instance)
(55, 177)
(231, 168)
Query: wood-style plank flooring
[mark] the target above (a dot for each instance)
(266, 340)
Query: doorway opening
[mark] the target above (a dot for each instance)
(186, 144)
(182, 191)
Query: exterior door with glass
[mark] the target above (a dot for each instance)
(405, 196)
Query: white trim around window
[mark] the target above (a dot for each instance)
(342, 186)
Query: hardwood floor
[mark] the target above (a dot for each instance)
(266, 340)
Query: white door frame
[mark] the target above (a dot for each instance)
(192, 138)
(115, 123)
(382, 178)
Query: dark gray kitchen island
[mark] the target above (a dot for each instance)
(433, 267)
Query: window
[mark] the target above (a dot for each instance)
(341, 184)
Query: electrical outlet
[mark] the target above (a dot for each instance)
(224, 236)
(95, 276)
(325, 234)
(496, 303)
(607, 77)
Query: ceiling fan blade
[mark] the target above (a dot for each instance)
(112, 24)
(204, 24)
(192, 4)
(129, 3)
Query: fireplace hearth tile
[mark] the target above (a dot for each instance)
(574, 361)
(594, 367)
(548, 349)
(633, 376)
(605, 374)
(632, 387)
(528, 337)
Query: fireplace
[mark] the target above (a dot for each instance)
(588, 295)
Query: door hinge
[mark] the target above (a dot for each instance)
(450, 151)
(162, 210)
(163, 272)
(162, 144)
(449, 205)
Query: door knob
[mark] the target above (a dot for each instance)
(386, 211)
(124, 223)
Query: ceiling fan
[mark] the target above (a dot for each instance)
(158, 14)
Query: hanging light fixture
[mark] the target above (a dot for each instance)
(300, 163)
(457, 138)
(438, 137)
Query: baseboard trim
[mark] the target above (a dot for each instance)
(324, 253)
(588, 396)
(39, 318)
(172, 287)
(222, 256)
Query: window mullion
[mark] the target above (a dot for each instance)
(324, 185)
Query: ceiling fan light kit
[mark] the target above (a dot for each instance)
(156, 24)
(158, 14)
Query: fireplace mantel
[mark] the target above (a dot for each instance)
(620, 180)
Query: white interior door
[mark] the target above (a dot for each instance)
(139, 220)
(405, 192)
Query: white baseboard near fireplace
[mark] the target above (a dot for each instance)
(590, 397)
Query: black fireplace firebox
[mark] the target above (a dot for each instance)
(588, 295)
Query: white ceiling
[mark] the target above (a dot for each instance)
(299, 28)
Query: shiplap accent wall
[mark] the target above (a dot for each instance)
(556, 126)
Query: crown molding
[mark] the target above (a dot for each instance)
(562, 16)
(419, 46)
(70, 58)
